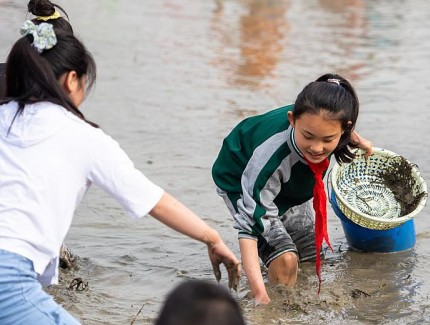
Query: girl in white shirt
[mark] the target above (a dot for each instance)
(46, 142)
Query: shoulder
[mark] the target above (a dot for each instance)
(79, 131)
(276, 119)
(277, 113)
(255, 130)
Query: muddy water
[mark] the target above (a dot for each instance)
(176, 76)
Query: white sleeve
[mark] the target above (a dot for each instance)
(114, 172)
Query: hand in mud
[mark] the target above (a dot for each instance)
(261, 300)
(220, 253)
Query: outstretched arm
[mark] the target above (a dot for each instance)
(251, 263)
(177, 216)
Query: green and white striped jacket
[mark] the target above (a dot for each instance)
(261, 173)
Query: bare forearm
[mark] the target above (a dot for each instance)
(251, 264)
(177, 216)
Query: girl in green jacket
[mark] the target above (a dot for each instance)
(269, 172)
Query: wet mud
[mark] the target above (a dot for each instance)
(174, 77)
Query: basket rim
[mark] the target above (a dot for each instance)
(386, 153)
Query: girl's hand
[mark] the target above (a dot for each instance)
(262, 299)
(220, 253)
(177, 216)
(362, 143)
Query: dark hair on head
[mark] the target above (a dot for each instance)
(200, 302)
(45, 8)
(332, 94)
(2, 79)
(34, 77)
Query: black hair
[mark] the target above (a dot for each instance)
(46, 8)
(200, 302)
(2, 79)
(34, 77)
(335, 95)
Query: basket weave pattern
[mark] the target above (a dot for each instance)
(362, 196)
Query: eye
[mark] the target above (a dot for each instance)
(329, 140)
(308, 137)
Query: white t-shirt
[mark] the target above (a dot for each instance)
(48, 160)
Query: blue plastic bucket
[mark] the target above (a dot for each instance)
(396, 239)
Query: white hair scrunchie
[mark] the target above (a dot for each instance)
(44, 37)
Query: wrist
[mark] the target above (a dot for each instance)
(262, 298)
(354, 139)
(211, 237)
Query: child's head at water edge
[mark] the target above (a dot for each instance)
(324, 115)
(49, 65)
(45, 12)
(200, 302)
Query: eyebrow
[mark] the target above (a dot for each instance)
(326, 138)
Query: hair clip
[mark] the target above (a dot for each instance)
(55, 15)
(335, 81)
(44, 37)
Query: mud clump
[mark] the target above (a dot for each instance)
(70, 280)
(398, 178)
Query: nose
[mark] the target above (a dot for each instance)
(316, 147)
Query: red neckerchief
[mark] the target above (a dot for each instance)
(320, 207)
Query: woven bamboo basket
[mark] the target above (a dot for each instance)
(362, 196)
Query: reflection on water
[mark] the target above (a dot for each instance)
(347, 23)
(176, 76)
(262, 27)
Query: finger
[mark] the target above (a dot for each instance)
(233, 282)
(238, 274)
(217, 271)
(237, 277)
(369, 152)
(234, 276)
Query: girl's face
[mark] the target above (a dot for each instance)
(316, 135)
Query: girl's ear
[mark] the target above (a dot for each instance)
(70, 82)
(291, 118)
(348, 125)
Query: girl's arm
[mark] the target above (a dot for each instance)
(251, 263)
(362, 143)
(177, 216)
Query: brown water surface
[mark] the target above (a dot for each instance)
(175, 76)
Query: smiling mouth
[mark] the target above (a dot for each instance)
(316, 156)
